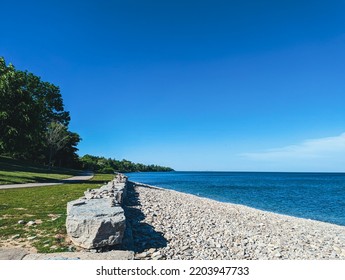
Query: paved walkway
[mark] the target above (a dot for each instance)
(22, 254)
(82, 177)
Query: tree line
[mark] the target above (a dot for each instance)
(104, 165)
(34, 126)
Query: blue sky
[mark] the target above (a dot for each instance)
(195, 85)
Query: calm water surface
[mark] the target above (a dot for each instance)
(317, 196)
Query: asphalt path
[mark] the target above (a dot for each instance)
(79, 178)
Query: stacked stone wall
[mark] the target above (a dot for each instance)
(97, 219)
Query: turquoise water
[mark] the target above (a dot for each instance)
(317, 196)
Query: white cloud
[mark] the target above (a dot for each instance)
(323, 153)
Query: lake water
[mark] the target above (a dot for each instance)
(317, 196)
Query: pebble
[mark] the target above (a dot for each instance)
(152, 250)
(141, 255)
(202, 229)
(155, 254)
(31, 223)
(184, 248)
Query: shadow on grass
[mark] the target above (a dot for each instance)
(13, 165)
(28, 179)
(6, 180)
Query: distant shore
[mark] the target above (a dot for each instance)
(184, 226)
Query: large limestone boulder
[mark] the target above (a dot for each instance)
(97, 219)
(95, 223)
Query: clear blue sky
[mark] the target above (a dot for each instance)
(195, 85)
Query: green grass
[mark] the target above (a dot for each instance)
(18, 172)
(46, 205)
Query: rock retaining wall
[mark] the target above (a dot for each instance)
(97, 219)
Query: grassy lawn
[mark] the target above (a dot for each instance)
(17, 172)
(47, 207)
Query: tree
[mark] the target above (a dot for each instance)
(68, 156)
(57, 137)
(28, 108)
(18, 113)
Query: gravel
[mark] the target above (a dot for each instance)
(171, 225)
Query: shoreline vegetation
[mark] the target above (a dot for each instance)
(109, 165)
(176, 225)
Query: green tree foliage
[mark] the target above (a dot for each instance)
(103, 165)
(28, 107)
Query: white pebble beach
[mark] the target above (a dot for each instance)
(196, 228)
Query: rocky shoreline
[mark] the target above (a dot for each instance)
(171, 225)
